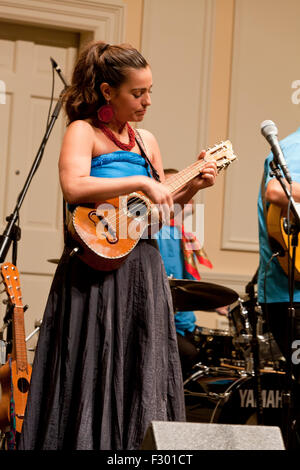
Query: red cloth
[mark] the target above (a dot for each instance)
(193, 254)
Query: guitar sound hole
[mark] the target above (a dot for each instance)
(23, 385)
(136, 207)
(108, 231)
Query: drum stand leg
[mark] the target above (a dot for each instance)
(255, 352)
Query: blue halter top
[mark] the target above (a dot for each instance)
(118, 164)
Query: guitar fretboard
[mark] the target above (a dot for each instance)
(179, 180)
(216, 153)
(19, 338)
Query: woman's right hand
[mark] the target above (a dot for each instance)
(160, 195)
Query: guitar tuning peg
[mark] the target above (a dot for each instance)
(5, 301)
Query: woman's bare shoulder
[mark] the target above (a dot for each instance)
(147, 135)
(81, 126)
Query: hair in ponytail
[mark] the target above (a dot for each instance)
(98, 62)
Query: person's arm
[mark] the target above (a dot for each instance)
(207, 178)
(75, 166)
(276, 195)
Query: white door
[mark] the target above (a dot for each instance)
(26, 76)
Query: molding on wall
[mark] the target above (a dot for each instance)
(188, 57)
(204, 102)
(233, 238)
(106, 20)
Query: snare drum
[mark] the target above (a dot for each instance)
(224, 395)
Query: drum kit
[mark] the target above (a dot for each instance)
(223, 386)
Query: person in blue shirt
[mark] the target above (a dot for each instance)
(170, 243)
(273, 284)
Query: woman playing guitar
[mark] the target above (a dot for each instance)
(107, 363)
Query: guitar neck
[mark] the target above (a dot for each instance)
(179, 180)
(20, 352)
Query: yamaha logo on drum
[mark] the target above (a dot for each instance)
(270, 398)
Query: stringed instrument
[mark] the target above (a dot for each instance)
(280, 240)
(107, 232)
(15, 375)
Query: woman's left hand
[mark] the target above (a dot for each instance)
(208, 174)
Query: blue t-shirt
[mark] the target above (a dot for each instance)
(169, 242)
(277, 289)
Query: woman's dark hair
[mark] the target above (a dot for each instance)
(98, 62)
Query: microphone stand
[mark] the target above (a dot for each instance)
(294, 230)
(12, 232)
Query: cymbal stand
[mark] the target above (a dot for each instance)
(255, 348)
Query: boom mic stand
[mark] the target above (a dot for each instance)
(293, 230)
(12, 232)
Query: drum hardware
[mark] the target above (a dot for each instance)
(53, 261)
(242, 370)
(210, 395)
(202, 371)
(241, 329)
(225, 381)
(227, 395)
(215, 345)
(37, 325)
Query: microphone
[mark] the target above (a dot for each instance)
(270, 132)
(58, 70)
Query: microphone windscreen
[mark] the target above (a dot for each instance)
(268, 128)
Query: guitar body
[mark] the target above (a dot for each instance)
(275, 226)
(20, 382)
(5, 381)
(16, 382)
(15, 375)
(106, 233)
(109, 231)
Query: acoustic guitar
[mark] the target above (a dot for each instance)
(15, 375)
(280, 241)
(106, 233)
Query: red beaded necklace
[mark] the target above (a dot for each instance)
(131, 134)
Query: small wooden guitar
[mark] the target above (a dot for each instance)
(107, 232)
(280, 240)
(15, 375)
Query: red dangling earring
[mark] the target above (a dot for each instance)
(105, 113)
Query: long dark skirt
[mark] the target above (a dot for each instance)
(107, 361)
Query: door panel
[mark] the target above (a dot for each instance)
(26, 70)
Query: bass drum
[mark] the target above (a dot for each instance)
(223, 395)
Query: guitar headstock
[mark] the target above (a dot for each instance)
(11, 280)
(222, 153)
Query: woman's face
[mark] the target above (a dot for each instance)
(131, 100)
